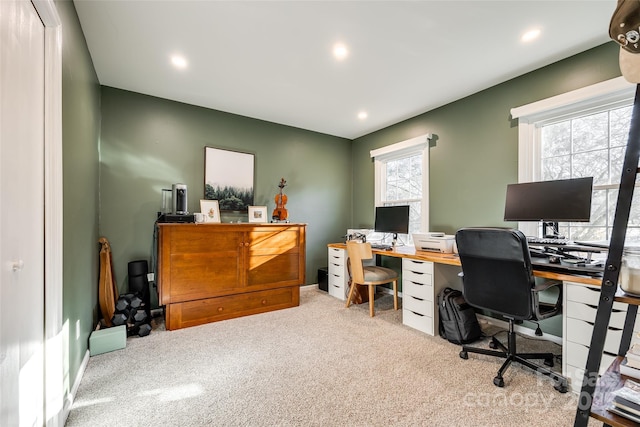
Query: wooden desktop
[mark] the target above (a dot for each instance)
(410, 252)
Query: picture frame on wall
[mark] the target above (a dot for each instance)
(211, 210)
(258, 214)
(229, 178)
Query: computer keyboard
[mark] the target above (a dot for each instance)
(380, 246)
(547, 241)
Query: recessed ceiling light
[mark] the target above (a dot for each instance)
(340, 51)
(530, 35)
(362, 115)
(179, 61)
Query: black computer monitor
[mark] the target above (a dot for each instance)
(392, 219)
(564, 200)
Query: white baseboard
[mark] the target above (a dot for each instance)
(496, 322)
(385, 290)
(519, 329)
(68, 402)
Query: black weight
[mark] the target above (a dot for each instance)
(136, 302)
(138, 316)
(119, 319)
(123, 303)
(144, 330)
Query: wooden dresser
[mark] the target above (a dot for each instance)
(211, 272)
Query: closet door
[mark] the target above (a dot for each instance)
(21, 214)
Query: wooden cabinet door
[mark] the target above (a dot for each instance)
(273, 257)
(204, 262)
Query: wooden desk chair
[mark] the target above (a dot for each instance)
(369, 275)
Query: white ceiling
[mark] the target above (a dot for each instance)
(272, 60)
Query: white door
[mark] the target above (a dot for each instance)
(22, 108)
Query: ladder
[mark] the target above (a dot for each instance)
(595, 394)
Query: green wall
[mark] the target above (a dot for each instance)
(80, 135)
(149, 143)
(475, 152)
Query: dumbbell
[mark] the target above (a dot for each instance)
(144, 330)
(123, 303)
(140, 329)
(119, 319)
(136, 302)
(138, 316)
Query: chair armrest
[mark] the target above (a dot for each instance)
(546, 284)
(542, 310)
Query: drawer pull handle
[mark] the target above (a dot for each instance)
(416, 283)
(220, 309)
(419, 299)
(417, 272)
(417, 314)
(264, 301)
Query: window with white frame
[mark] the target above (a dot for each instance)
(579, 134)
(401, 178)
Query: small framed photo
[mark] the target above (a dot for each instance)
(257, 214)
(211, 210)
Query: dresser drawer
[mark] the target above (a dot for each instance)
(576, 355)
(582, 293)
(337, 289)
(579, 331)
(417, 305)
(419, 290)
(337, 256)
(587, 312)
(417, 266)
(416, 277)
(192, 313)
(337, 270)
(417, 321)
(587, 295)
(575, 373)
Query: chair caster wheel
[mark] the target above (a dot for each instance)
(493, 345)
(498, 382)
(464, 355)
(548, 362)
(562, 388)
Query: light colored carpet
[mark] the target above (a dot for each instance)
(318, 364)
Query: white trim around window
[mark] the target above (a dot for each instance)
(409, 147)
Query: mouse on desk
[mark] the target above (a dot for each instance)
(554, 260)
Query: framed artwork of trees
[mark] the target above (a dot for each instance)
(228, 178)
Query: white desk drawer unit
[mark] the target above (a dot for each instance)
(580, 310)
(417, 295)
(338, 274)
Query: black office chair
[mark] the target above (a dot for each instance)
(497, 276)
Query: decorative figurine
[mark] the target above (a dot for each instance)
(280, 212)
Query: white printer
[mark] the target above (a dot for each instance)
(434, 242)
